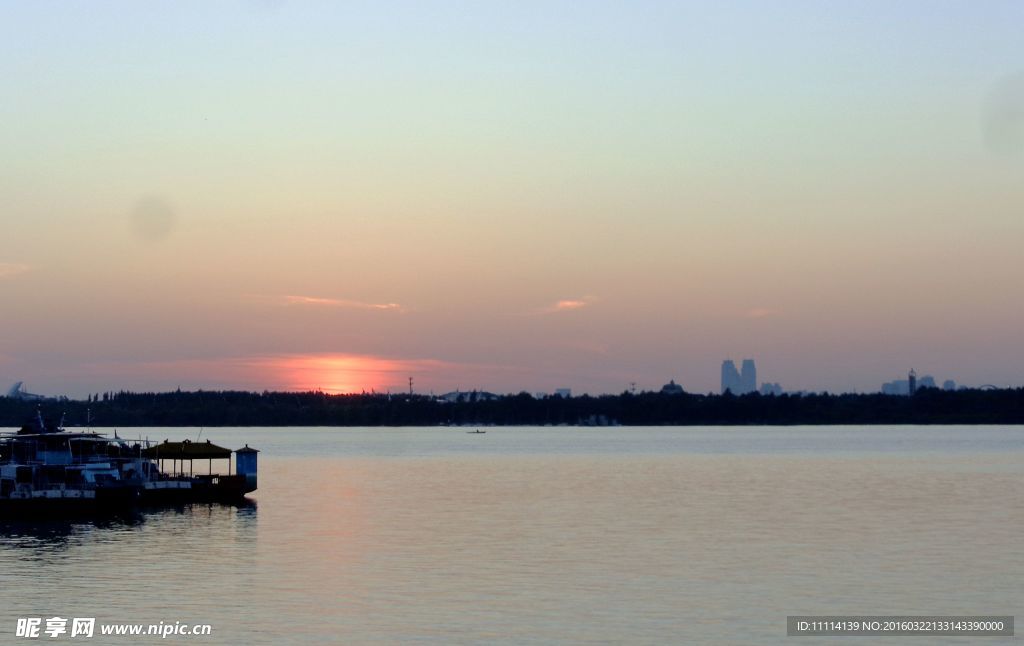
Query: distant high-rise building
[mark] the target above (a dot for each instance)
(897, 387)
(737, 382)
(768, 388)
(912, 384)
(730, 377)
(748, 377)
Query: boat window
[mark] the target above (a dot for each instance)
(55, 474)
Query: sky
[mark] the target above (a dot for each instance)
(509, 197)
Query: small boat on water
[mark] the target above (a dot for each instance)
(51, 472)
(475, 432)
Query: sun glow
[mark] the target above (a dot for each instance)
(346, 373)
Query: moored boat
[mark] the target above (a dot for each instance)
(47, 471)
(178, 486)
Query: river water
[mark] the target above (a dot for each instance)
(525, 535)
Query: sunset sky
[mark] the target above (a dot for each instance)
(509, 196)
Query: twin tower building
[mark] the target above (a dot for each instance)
(742, 382)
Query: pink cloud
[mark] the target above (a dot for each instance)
(760, 313)
(565, 305)
(570, 305)
(9, 269)
(339, 302)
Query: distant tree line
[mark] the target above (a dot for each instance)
(234, 408)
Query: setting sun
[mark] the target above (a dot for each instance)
(343, 373)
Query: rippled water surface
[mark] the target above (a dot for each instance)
(550, 535)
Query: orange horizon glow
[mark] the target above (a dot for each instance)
(331, 373)
(339, 374)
